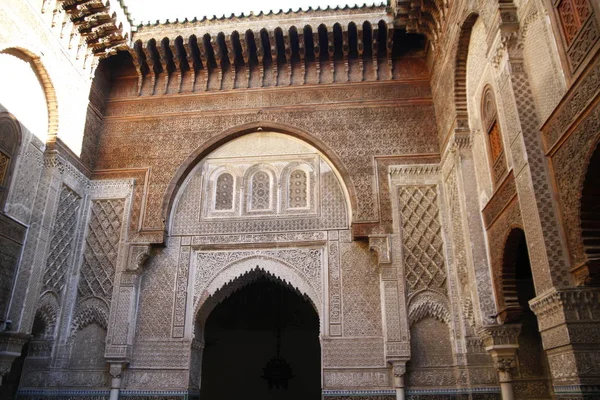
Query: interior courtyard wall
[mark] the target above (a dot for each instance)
(541, 58)
(353, 323)
(73, 294)
(167, 138)
(69, 83)
(166, 130)
(478, 76)
(444, 89)
(485, 66)
(32, 195)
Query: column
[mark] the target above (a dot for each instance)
(501, 341)
(123, 315)
(399, 369)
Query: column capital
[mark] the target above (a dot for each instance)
(500, 336)
(559, 306)
(399, 370)
(116, 369)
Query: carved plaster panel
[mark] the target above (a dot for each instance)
(356, 379)
(300, 267)
(353, 352)
(324, 205)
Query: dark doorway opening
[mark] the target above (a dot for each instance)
(262, 342)
(590, 222)
(533, 365)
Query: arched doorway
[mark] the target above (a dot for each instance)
(590, 220)
(261, 341)
(519, 289)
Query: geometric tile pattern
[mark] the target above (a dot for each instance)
(61, 244)
(422, 240)
(102, 244)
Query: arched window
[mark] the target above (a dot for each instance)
(298, 189)
(9, 143)
(489, 114)
(573, 15)
(260, 190)
(224, 192)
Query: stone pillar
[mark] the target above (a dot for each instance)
(505, 363)
(399, 368)
(123, 315)
(116, 369)
(468, 261)
(468, 234)
(397, 345)
(569, 322)
(394, 315)
(501, 341)
(28, 280)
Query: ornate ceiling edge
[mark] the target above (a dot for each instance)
(270, 18)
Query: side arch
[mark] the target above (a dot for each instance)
(89, 312)
(508, 299)
(233, 133)
(460, 68)
(428, 304)
(47, 314)
(45, 81)
(589, 218)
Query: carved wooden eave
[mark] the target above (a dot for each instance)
(295, 48)
(426, 17)
(105, 26)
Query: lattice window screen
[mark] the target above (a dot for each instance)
(298, 189)
(224, 192)
(261, 191)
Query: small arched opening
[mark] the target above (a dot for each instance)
(257, 337)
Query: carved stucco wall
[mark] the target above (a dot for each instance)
(570, 159)
(314, 254)
(433, 355)
(478, 75)
(541, 58)
(149, 139)
(74, 284)
(354, 130)
(439, 283)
